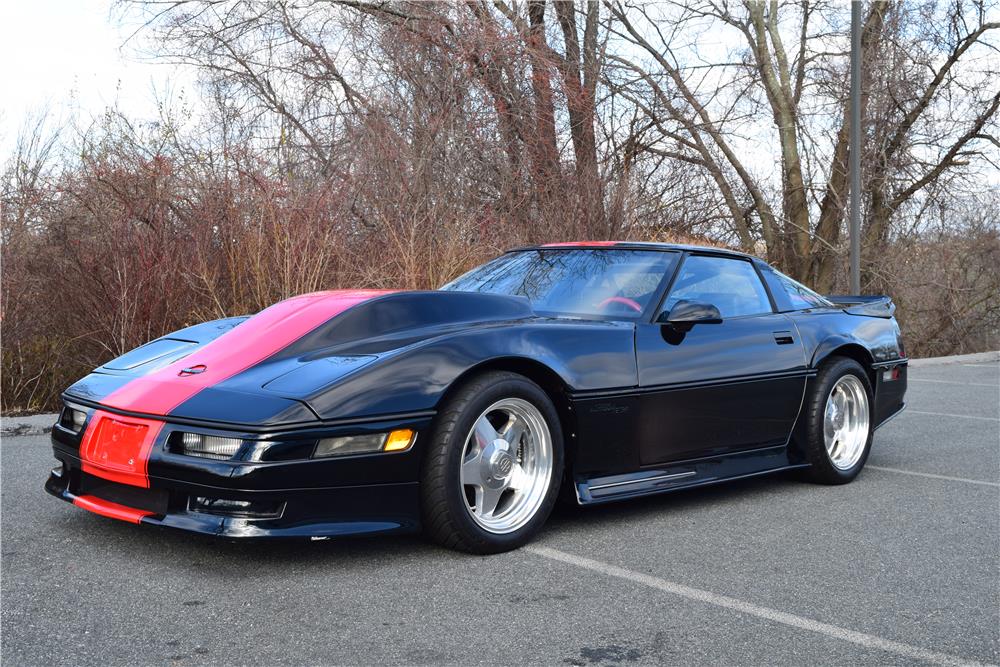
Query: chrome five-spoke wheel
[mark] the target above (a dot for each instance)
(506, 465)
(845, 422)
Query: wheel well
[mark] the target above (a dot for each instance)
(848, 350)
(544, 377)
(858, 354)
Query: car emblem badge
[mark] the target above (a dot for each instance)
(193, 370)
(504, 465)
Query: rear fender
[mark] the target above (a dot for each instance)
(846, 346)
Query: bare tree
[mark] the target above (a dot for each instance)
(302, 64)
(396, 143)
(790, 58)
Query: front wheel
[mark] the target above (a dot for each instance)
(839, 431)
(492, 470)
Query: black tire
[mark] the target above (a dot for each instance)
(822, 470)
(446, 519)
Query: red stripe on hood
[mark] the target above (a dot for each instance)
(118, 448)
(245, 345)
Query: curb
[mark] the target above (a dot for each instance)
(979, 357)
(30, 425)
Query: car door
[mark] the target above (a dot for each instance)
(711, 388)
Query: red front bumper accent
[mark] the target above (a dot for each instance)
(110, 509)
(117, 448)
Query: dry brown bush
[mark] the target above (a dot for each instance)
(134, 238)
(395, 145)
(120, 248)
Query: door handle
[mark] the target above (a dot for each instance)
(783, 337)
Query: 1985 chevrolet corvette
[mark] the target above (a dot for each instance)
(599, 371)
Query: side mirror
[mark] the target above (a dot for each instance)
(689, 313)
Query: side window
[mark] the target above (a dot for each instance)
(731, 285)
(801, 296)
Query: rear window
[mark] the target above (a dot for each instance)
(801, 296)
(147, 353)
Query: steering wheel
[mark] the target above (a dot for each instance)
(622, 300)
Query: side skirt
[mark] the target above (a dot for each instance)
(684, 475)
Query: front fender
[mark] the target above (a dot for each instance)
(585, 355)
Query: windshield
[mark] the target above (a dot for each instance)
(584, 282)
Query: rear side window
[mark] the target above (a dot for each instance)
(731, 285)
(801, 296)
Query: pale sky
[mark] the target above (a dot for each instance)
(68, 56)
(76, 58)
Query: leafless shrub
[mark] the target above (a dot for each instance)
(397, 144)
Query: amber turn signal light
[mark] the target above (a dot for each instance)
(399, 440)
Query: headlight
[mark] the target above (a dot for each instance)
(73, 417)
(351, 444)
(209, 446)
(396, 441)
(222, 448)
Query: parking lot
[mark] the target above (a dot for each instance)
(902, 566)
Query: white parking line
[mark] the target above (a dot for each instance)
(948, 414)
(934, 476)
(967, 384)
(834, 631)
(981, 365)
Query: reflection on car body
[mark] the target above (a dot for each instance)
(596, 371)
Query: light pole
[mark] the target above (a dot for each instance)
(855, 161)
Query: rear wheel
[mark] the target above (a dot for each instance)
(492, 472)
(839, 431)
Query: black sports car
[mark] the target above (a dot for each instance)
(597, 371)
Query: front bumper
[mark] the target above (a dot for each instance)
(356, 495)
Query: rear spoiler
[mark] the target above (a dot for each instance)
(872, 306)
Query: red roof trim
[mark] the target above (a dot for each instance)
(582, 244)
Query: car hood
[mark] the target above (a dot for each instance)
(262, 370)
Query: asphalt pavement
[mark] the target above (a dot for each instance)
(900, 567)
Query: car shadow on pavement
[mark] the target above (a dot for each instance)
(153, 543)
(567, 516)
